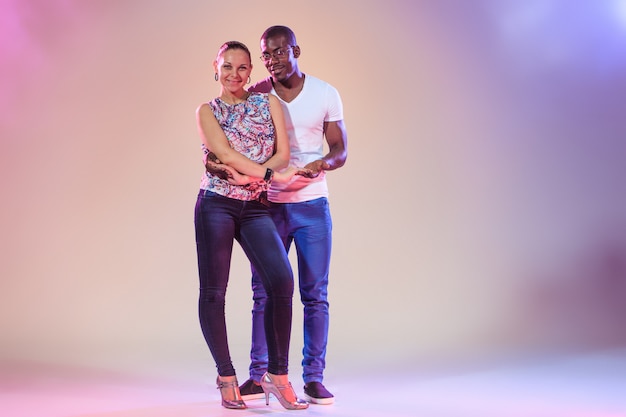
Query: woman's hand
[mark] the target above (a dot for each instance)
(237, 178)
(286, 175)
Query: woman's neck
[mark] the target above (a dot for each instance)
(234, 98)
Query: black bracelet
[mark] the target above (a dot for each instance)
(268, 175)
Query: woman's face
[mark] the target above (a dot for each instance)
(233, 68)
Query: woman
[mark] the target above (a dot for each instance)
(247, 133)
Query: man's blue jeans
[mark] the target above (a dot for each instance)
(219, 221)
(309, 226)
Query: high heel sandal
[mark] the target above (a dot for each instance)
(229, 388)
(270, 387)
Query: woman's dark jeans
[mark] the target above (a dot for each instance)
(219, 221)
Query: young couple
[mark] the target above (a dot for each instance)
(265, 187)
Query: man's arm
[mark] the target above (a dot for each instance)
(337, 138)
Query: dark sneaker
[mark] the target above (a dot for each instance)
(316, 393)
(251, 390)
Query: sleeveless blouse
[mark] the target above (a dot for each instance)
(249, 129)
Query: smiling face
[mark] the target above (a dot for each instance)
(233, 68)
(279, 56)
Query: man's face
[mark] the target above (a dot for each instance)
(279, 57)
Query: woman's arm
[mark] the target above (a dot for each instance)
(214, 139)
(280, 159)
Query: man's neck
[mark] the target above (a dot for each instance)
(289, 88)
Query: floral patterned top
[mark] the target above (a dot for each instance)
(250, 131)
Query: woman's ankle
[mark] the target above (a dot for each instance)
(279, 379)
(283, 382)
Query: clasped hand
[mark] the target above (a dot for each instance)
(234, 177)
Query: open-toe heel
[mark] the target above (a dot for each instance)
(269, 386)
(229, 389)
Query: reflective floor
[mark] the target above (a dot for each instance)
(590, 385)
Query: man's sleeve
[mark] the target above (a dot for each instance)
(335, 106)
(263, 86)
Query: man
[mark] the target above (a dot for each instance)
(314, 112)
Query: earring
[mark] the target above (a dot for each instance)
(216, 76)
(249, 80)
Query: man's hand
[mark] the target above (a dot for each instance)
(313, 169)
(215, 167)
(225, 172)
(306, 173)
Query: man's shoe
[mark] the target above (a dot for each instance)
(316, 393)
(251, 390)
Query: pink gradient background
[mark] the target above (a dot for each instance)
(481, 214)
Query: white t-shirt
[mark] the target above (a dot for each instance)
(317, 102)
